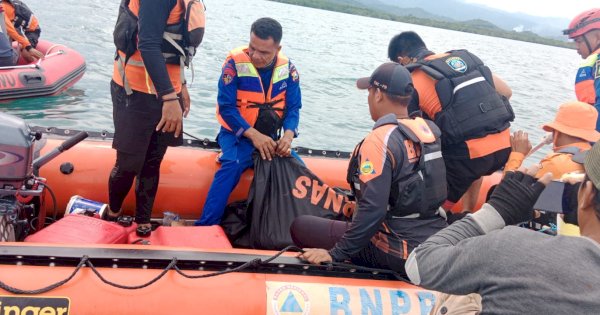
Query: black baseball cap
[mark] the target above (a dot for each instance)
(390, 77)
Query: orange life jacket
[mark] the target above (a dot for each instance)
(251, 97)
(183, 33)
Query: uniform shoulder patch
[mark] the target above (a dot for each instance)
(228, 73)
(597, 69)
(366, 168)
(294, 73)
(457, 64)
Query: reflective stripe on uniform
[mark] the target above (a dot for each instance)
(467, 83)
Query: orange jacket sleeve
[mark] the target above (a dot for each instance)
(514, 161)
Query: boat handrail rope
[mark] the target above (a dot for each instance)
(194, 142)
(85, 261)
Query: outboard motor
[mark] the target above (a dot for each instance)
(18, 180)
(16, 152)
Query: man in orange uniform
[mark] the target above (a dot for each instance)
(573, 129)
(22, 26)
(149, 95)
(397, 175)
(585, 31)
(259, 96)
(469, 104)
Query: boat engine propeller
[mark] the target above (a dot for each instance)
(21, 189)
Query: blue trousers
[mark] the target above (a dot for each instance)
(236, 158)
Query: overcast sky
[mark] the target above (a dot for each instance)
(566, 8)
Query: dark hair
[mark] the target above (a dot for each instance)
(267, 27)
(404, 44)
(401, 100)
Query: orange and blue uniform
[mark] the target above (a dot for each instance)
(242, 90)
(587, 82)
(385, 226)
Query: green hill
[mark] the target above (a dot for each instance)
(477, 26)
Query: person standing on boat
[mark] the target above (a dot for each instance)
(259, 95)
(397, 174)
(517, 270)
(149, 94)
(22, 26)
(585, 31)
(8, 55)
(468, 103)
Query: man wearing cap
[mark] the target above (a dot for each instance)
(584, 30)
(516, 270)
(398, 177)
(572, 130)
(470, 106)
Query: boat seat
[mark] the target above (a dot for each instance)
(207, 237)
(81, 229)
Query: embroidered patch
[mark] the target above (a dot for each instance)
(366, 168)
(228, 74)
(597, 75)
(457, 64)
(294, 73)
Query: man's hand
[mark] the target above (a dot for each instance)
(264, 144)
(316, 256)
(171, 120)
(31, 55)
(185, 98)
(284, 145)
(516, 194)
(519, 142)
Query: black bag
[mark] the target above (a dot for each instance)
(282, 190)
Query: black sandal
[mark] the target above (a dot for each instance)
(113, 216)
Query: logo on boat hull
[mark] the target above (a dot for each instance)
(34, 305)
(290, 299)
(7, 158)
(457, 64)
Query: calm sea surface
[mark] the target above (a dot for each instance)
(329, 49)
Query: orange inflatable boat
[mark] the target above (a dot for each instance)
(84, 265)
(60, 69)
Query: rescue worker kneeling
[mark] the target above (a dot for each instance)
(398, 176)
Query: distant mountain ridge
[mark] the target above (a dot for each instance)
(389, 10)
(460, 10)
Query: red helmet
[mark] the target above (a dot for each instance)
(583, 23)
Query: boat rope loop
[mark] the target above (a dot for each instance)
(85, 261)
(51, 287)
(192, 141)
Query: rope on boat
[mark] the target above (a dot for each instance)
(85, 261)
(193, 142)
(51, 287)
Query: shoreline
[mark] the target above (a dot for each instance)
(466, 26)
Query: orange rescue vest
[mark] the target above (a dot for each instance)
(251, 96)
(134, 71)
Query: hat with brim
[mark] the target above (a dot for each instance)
(576, 119)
